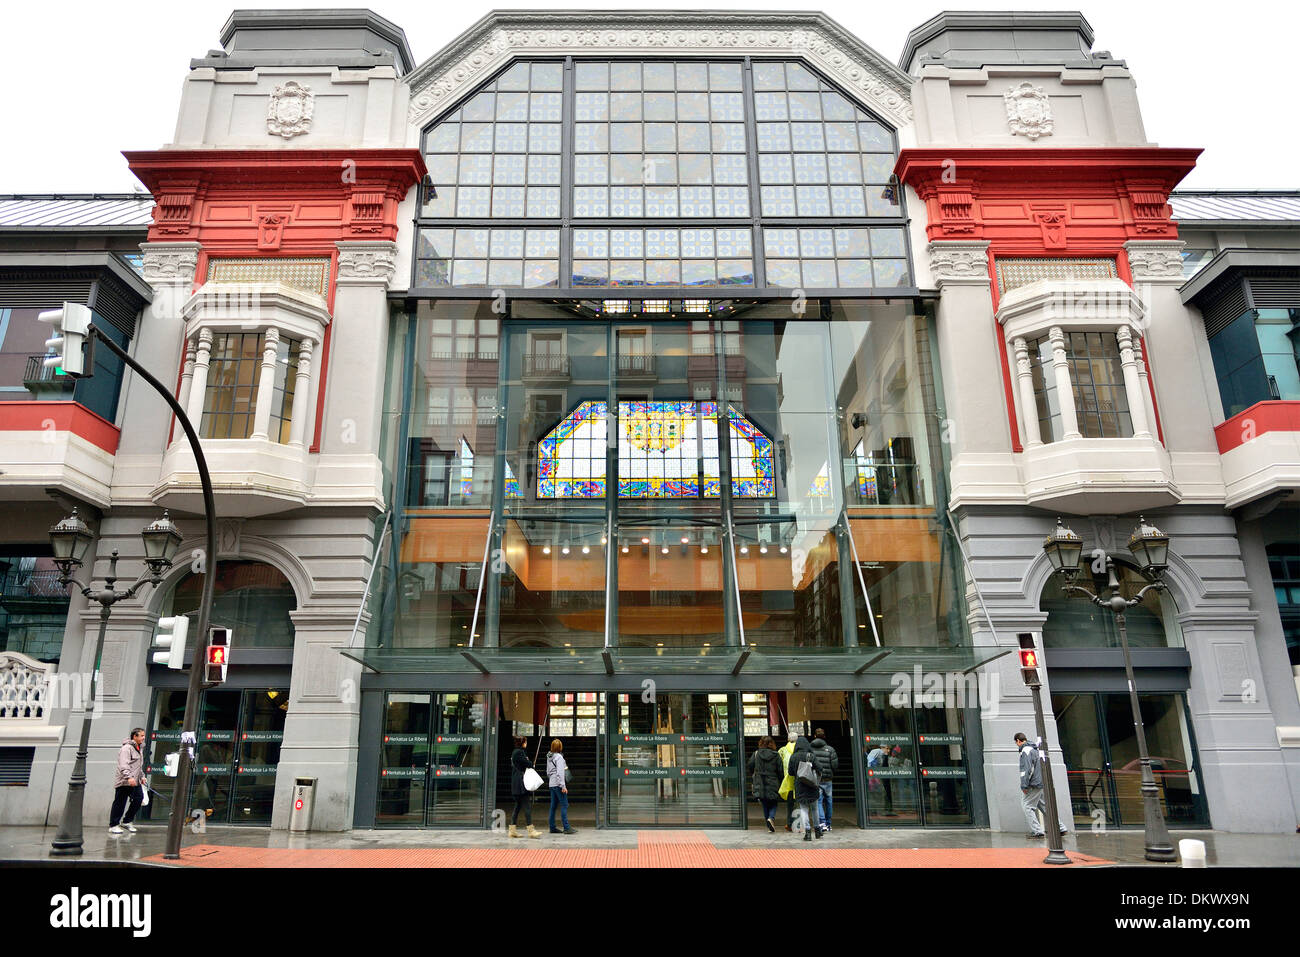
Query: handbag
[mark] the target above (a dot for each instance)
(532, 780)
(807, 773)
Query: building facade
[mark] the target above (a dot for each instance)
(660, 384)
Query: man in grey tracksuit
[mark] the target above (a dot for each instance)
(1031, 786)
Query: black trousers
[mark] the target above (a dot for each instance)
(523, 802)
(128, 798)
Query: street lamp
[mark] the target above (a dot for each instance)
(71, 540)
(1150, 547)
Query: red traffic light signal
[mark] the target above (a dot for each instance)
(218, 657)
(1029, 660)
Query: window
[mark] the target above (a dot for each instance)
(623, 140)
(666, 450)
(33, 607)
(1100, 399)
(252, 598)
(234, 376)
(1284, 565)
(1257, 358)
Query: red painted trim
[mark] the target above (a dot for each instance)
(66, 417)
(1030, 201)
(1272, 415)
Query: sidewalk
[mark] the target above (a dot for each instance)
(262, 847)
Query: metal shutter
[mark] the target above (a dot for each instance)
(16, 766)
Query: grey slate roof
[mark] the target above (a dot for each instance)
(1241, 206)
(100, 212)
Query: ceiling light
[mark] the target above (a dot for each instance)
(744, 549)
(586, 549)
(784, 549)
(564, 550)
(546, 549)
(762, 549)
(645, 541)
(704, 549)
(604, 540)
(624, 549)
(685, 539)
(664, 549)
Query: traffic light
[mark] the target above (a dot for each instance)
(218, 658)
(1028, 660)
(64, 348)
(171, 764)
(171, 639)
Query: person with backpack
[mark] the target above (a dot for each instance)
(557, 777)
(766, 775)
(806, 790)
(828, 763)
(519, 763)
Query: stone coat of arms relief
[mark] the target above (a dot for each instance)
(289, 112)
(1029, 112)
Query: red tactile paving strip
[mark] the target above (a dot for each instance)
(654, 849)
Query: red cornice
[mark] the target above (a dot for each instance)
(1069, 200)
(65, 416)
(276, 200)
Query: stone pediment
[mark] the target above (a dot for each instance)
(500, 37)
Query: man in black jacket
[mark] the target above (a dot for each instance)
(827, 762)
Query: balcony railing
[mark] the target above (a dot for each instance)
(37, 584)
(545, 365)
(37, 372)
(636, 365)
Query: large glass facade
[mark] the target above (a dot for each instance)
(581, 173)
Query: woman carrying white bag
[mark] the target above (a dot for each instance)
(524, 780)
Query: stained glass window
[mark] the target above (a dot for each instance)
(512, 484)
(666, 449)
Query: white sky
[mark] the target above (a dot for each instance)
(83, 81)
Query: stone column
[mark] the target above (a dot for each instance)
(266, 385)
(1137, 406)
(187, 374)
(1064, 390)
(301, 389)
(199, 382)
(1028, 405)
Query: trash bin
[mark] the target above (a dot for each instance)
(304, 797)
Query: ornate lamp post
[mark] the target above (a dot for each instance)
(71, 540)
(1150, 547)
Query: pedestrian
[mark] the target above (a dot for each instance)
(519, 763)
(786, 792)
(128, 784)
(557, 777)
(766, 773)
(806, 793)
(1031, 787)
(827, 762)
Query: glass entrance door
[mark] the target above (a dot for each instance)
(915, 761)
(432, 760)
(239, 739)
(674, 760)
(1099, 748)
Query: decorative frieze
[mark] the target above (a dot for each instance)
(1159, 260)
(367, 262)
(959, 263)
(873, 80)
(170, 262)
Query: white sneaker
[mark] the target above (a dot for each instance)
(131, 827)
(115, 829)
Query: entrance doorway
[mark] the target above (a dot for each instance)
(777, 714)
(1099, 750)
(541, 717)
(431, 760)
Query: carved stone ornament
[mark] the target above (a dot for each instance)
(289, 112)
(1155, 260)
(861, 72)
(1029, 112)
(167, 262)
(965, 263)
(367, 262)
